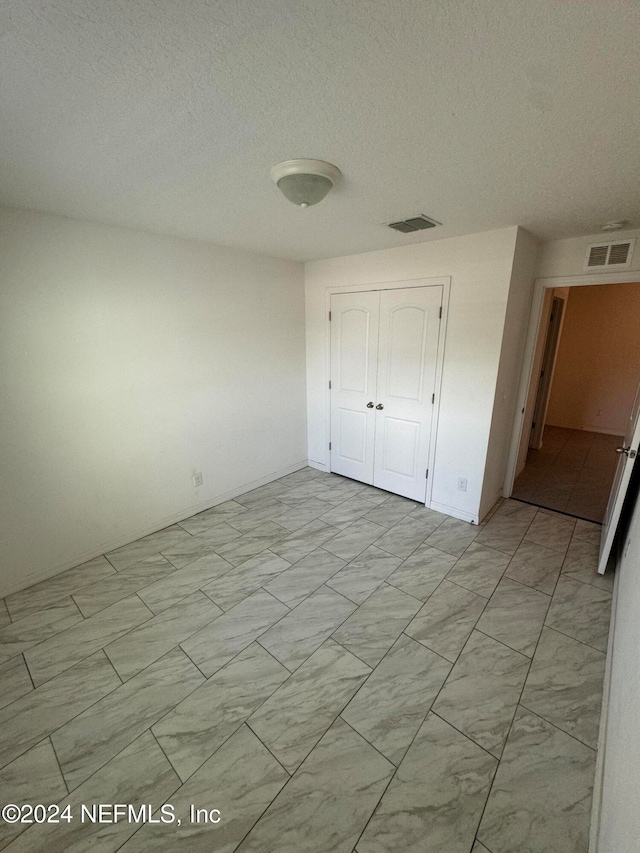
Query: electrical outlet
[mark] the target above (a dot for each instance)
(197, 479)
(462, 484)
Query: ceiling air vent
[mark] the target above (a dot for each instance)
(616, 255)
(416, 223)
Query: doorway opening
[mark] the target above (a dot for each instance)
(586, 369)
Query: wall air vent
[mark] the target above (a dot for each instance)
(416, 223)
(611, 255)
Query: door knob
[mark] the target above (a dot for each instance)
(627, 451)
(369, 405)
(379, 406)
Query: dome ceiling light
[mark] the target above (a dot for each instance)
(305, 182)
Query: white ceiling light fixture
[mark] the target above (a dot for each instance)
(305, 182)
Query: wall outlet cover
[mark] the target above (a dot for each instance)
(197, 479)
(462, 484)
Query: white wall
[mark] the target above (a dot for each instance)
(619, 813)
(510, 367)
(567, 257)
(480, 266)
(130, 361)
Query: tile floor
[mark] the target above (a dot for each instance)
(572, 472)
(332, 667)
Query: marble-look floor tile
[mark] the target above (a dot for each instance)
(355, 539)
(516, 510)
(480, 695)
(420, 574)
(139, 775)
(296, 716)
(407, 535)
(181, 583)
(479, 569)
(187, 550)
(121, 585)
(34, 716)
(346, 513)
(306, 627)
(581, 611)
(96, 735)
(216, 644)
(256, 516)
(541, 797)
(252, 543)
(298, 544)
(4, 614)
(390, 708)
(18, 636)
(33, 778)
(15, 680)
(305, 475)
(304, 577)
(234, 586)
(210, 517)
(363, 575)
(220, 534)
(350, 489)
(304, 492)
(83, 639)
(581, 564)
(45, 593)
(202, 722)
(552, 531)
(435, 811)
(302, 514)
(370, 632)
(588, 531)
(515, 616)
(564, 685)
(505, 531)
(535, 566)
(446, 619)
(155, 543)
(154, 638)
(479, 848)
(241, 779)
(263, 493)
(389, 513)
(453, 536)
(343, 773)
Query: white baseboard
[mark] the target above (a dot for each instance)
(319, 466)
(152, 527)
(602, 430)
(453, 511)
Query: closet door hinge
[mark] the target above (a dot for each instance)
(426, 476)
(329, 384)
(433, 399)
(329, 316)
(440, 314)
(329, 445)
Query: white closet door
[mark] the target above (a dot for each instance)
(407, 357)
(354, 354)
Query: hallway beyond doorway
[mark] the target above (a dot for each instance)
(571, 473)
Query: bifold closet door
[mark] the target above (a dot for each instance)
(407, 361)
(354, 360)
(384, 349)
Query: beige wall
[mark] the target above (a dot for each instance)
(598, 365)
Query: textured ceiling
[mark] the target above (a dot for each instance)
(166, 115)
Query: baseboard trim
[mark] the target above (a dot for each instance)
(152, 527)
(319, 466)
(602, 430)
(454, 512)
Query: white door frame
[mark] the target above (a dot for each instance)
(440, 281)
(542, 284)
